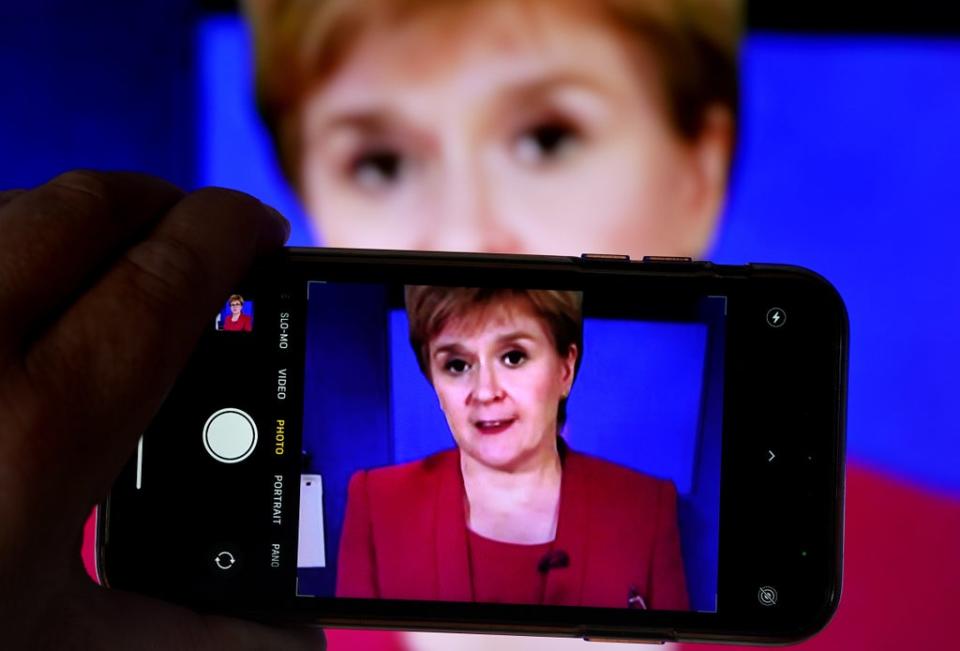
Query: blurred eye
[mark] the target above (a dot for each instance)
(456, 366)
(514, 358)
(378, 169)
(546, 142)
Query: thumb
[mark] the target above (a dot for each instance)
(101, 618)
(229, 633)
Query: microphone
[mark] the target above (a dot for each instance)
(635, 600)
(553, 560)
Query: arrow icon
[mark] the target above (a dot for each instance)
(772, 456)
(224, 560)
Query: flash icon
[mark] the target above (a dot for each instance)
(776, 317)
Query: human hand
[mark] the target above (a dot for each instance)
(106, 284)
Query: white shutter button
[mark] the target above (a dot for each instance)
(230, 435)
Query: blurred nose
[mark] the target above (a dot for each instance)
(487, 386)
(465, 215)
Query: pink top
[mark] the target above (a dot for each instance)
(506, 572)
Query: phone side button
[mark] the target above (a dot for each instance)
(605, 257)
(671, 259)
(620, 640)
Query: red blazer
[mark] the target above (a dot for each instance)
(243, 324)
(405, 536)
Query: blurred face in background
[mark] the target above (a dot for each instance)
(529, 127)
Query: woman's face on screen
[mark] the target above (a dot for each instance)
(499, 380)
(513, 127)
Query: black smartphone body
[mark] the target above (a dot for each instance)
(587, 447)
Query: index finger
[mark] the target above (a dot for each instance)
(58, 237)
(109, 359)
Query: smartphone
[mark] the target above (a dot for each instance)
(590, 447)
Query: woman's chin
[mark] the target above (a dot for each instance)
(491, 451)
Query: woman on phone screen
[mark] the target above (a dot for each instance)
(512, 514)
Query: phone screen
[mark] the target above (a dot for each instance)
(631, 520)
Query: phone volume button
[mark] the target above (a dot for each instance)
(605, 257)
(620, 639)
(667, 258)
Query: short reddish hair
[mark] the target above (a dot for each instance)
(301, 43)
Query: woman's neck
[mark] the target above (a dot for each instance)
(234, 317)
(516, 506)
